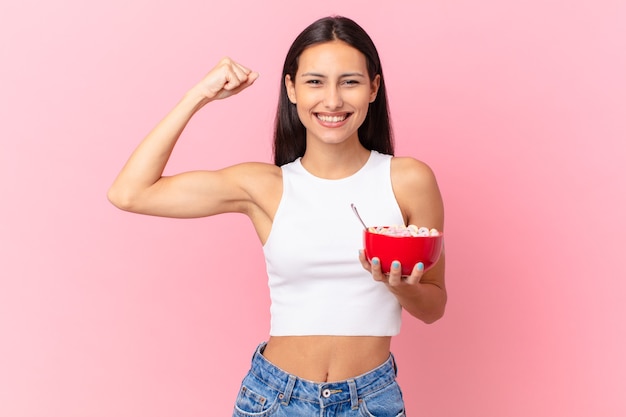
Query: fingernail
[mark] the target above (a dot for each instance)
(375, 261)
(420, 266)
(395, 264)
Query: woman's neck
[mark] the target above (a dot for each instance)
(335, 161)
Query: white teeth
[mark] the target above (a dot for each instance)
(331, 119)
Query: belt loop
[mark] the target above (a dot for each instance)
(286, 396)
(393, 362)
(354, 398)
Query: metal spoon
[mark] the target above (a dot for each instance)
(357, 215)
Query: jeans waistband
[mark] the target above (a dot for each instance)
(326, 393)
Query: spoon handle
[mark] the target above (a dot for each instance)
(357, 215)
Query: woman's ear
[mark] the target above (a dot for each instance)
(375, 85)
(291, 89)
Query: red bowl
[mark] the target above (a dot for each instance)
(408, 250)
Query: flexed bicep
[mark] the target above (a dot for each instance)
(201, 193)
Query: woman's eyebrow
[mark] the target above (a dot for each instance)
(348, 74)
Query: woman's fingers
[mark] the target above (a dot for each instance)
(226, 79)
(396, 278)
(416, 274)
(236, 76)
(364, 262)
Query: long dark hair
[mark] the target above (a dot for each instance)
(289, 132)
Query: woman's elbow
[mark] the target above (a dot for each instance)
(435, 313)
(433, 317)
(120, 199)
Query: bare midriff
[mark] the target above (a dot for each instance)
(327, 358)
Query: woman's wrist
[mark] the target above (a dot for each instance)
(196, 98)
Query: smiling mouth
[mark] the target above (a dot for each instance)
(332, 119)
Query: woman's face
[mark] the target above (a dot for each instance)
(332, 91)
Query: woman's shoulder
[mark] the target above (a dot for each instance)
(411, 176)
(410, 169)
(256, 170)
(252, 176)
(417, 191)
(262, 183)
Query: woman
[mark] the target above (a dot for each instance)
(333, 312)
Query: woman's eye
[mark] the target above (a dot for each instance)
(351, 82)
(314, 82)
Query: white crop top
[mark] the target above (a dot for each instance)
(317, 284)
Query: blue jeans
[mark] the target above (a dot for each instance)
(269, 391)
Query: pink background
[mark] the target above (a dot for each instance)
(520, 108)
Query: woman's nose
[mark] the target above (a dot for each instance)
(332, 98)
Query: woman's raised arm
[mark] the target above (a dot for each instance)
(140, 186)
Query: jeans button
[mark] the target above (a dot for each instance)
(326, 393)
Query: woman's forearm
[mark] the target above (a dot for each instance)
(428, 304)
